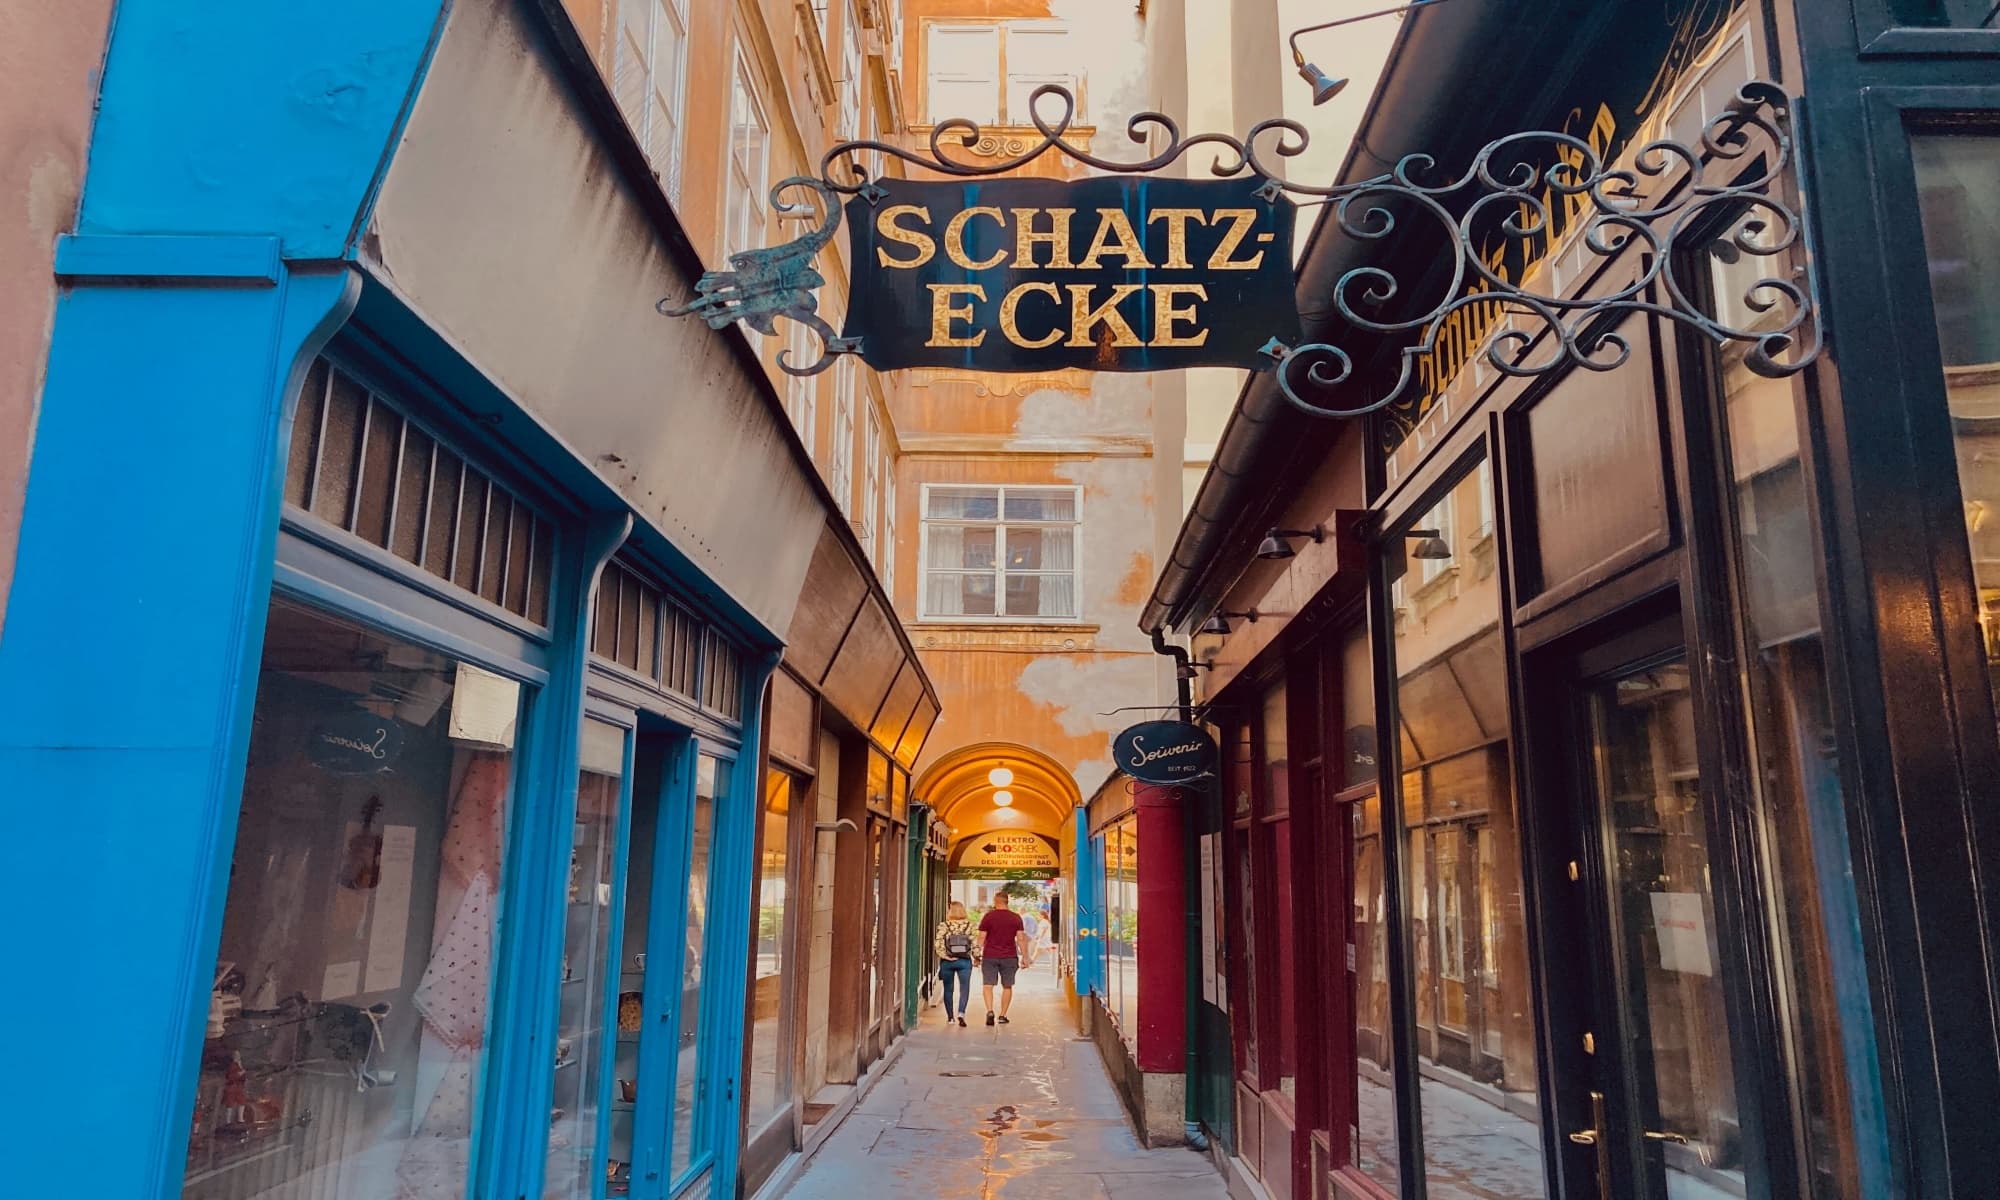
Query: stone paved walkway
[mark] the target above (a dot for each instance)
(1015, 1112)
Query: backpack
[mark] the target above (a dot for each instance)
(958, 943)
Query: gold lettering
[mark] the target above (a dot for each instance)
(944, 313)
(1241, 219)
(1177, 232)
(1114, 222)
(1083, 318)
(1027, 237)
(954, 238)
(1010, 307)
(886, 227)
(1165, 313)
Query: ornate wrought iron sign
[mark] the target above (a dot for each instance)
(1106, 274)
(1165, 273)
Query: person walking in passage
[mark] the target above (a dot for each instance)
(1005, 945)
(1032, 924)
(955, 948)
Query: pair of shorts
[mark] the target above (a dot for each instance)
(999, 970)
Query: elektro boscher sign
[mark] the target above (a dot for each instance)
(1106, 274)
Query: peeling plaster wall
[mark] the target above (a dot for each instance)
(1048, 686)
(51, 52)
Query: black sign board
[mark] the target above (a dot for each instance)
(1105, 274)
(1164, 752)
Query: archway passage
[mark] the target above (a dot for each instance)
(994, 787)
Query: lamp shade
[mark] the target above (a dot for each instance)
(1324, 86)
(1274, 546)
(1215, 624)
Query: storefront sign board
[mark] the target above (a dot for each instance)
(1102, 274)
(1164, 752)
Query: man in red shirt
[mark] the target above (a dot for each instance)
(1005, 938)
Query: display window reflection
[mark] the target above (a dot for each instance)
(770, 933)
(1455, 815)
(1121, 925)
(689, 1120)
(347, 1020)
(589, 972)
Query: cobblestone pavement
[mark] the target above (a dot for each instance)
(1022, 1111)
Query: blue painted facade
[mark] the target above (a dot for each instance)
(237, 154)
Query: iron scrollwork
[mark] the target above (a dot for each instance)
(1522, 190)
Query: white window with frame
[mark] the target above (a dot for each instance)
(886, 561)
(747, 214)
(1440, 519)
(801, 391)
(851, 96)
(871, 473)
(1000, 553)
(648, 77)
(840, 470)
(1034, 55)
(1485, 529)
(986, 73)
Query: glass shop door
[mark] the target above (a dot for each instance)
(1650, 1103)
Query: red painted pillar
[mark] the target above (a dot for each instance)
(1163, 901)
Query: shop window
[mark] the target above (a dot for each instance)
(625, 625)
(1121, 928)
(1274, 832)
(770, 1073)
(1957, 174)
(347, 1024)
(1791, 712)
(840, 471)
(648, 77)
(357, 463)
(986, 73)
(1471, 996)
(1000, 552)
(722, 678)
(1946, 14)
(690, 1122)
(590, 975)
(746, 212)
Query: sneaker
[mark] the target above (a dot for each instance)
(961, 1022)
(989, 1018)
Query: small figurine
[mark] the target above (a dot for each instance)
(234, 1120)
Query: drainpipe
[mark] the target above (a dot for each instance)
(1191, 866)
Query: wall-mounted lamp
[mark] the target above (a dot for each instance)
(1325, 87)
(1003, 798)
(1187, 670)
(841, 826)
(1430, 545)
(1000, 777)
(1278, 542)
(1219, 623)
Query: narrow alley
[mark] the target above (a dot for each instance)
(1021, 1111)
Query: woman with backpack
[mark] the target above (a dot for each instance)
(954, 945)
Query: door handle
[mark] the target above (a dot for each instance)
(1596, 1139)
(1679, 1139)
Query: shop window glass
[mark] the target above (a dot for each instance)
(1958, 176)
(1121, 900)
(689, 1116)
(1472, 1006)
(1791, 712)
(1357, 711)
(1946, 14)
(768, 953)
(1274, 832)
(588, 972)
(347, 1023)
(1372, 1141)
